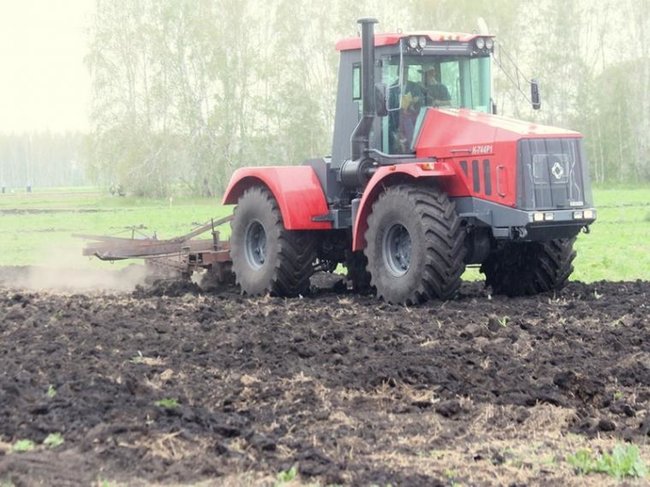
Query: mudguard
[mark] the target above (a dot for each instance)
(387, 176)
(296, 189)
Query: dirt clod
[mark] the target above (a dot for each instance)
(606, 424)
(448, 409)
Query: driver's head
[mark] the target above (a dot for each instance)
(431, 75)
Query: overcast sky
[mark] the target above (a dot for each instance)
(44, 84)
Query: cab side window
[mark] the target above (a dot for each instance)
(356, 82)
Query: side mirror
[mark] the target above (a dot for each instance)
(494, 107)
(534, 94)
(380, 100)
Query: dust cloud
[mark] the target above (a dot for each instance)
(66, 270)
(61, 279)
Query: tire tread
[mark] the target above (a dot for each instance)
(295, 256)
(528, 268)
(444, 248)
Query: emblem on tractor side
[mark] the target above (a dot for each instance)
(557, 170)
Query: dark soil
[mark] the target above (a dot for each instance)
(175, 385)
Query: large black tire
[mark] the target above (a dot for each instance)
(414, 245)
(267, 258)
(527, 268)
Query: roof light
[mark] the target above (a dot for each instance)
(480, 42)
(413, 42)
(422, 42)
(489, 43)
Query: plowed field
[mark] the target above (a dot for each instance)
(172, 384)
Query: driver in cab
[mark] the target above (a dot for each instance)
(435, 93)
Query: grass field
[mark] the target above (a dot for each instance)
(37, 228)
(618, 247)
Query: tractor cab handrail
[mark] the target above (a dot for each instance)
(384, 159)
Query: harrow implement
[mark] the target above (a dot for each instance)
(179, 255)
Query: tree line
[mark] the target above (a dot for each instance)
(41, 159)
(186, 91)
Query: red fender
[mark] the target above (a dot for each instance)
(296, 189)
(384, 177)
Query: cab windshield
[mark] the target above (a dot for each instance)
(418, 82)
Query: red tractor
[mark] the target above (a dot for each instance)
(423, 180)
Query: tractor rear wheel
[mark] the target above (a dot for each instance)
(526, 268)
(267, 258)
(414, 245)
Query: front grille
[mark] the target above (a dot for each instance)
(552, 173)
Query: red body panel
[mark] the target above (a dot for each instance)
(388, 175)
(470, 148)
(469, 137)
(296, 189)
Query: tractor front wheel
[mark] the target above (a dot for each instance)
(527, 268)
(414, 245)
(267, 258)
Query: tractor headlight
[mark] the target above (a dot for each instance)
(480, 43)
(422, 42)
(489, 43)
(413, 42)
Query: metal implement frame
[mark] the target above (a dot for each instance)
(183, 253)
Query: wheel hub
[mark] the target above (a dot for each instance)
(255, 244)
(397, 250)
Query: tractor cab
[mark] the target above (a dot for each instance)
(413, 72)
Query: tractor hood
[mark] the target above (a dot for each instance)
(459, 132)
(506, 161)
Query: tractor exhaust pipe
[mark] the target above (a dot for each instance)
(361, 135)
(368, 65)
(351, 170)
